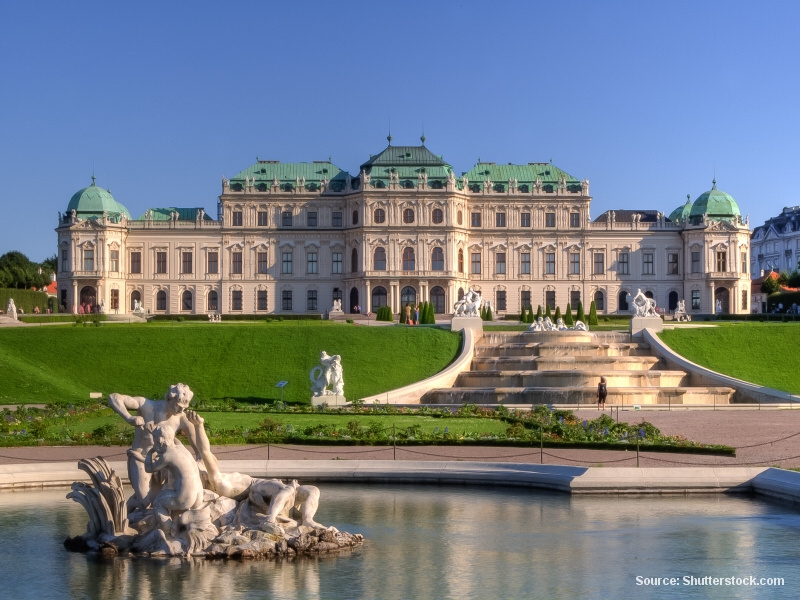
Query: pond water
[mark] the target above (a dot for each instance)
(437, 542)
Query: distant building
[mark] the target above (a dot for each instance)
(294, 237)
(776, 243)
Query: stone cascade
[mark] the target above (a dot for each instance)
(565, 368)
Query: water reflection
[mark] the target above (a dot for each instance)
(435, 542)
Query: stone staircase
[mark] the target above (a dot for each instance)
(565, 368)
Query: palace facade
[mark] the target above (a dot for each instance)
(291, 238)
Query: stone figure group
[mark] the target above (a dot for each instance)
(469, 305)
(214, 318)
(183, 504)
(327, 374)
(546, 324)
(11, 309)
(643, 306)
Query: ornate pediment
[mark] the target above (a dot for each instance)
(721, 226)
(549, 247)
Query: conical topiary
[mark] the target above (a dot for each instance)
(489, 314)
(403, 313)
(548, 313)
(592, 314)
(568, 316)
(581, 317)
(558, 313)
(539, 312)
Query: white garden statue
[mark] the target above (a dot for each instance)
(327, 373)
(644, 306)
(469, 305)
(11, 309)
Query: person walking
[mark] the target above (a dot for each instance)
(416, 314)
(408, 315)
(602, 392)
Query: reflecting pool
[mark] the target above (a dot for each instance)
(437, 542)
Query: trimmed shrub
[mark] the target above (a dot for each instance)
(558, 314)
(488, 316)
(26, 300)
(548, 313)
(538, 312)
(568, 316)
(592, 314)
(403, 313)
(581, 316)
(384, 314)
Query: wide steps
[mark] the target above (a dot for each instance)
(571, 378)
(579, 395)
(559, 349)
(599, 364)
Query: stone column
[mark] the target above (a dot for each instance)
(368, 297)
(74, 297)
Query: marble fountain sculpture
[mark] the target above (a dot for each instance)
(183, 505)
(327, 374)
(545, 324)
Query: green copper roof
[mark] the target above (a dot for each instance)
(266, 171)
(681, 214)
(524, 174)
(408, 162)
(93, 201)
(716, 204)
(184, 214)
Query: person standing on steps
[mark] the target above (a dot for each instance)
(602, 392)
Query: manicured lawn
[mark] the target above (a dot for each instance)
(767, 354)
(239, 361)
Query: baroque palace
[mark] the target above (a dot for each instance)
(290, 238)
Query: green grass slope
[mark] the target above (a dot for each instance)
(766, 354)
(240, 361)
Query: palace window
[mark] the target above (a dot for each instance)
(237, 218)
(695, 299)
(286, 300)
(696, 263)
(525, 300)
(236, 300)
(311, 300)
(744, 262)
(476, 219)
(476, 263)
(379, 216)
(623, 264)
(550, 299)
(88, 259)
(599, 263)
(648, 263)
(261, 300)
(438, 215)
(500, 219)
(379, 259)
(336, 219)
(186, 300)
(286, 263)
(460, 261)
(186, 262)
(65, 260)
(437, 260)
(262, 218)
(286, 219)
(161, 262)
(213, 262)
(355, 217)
(574, 219)
(213, 303)
(574, 263)
(336, 267)
(550, 219)
(744, 300)
(161, 300)
(114, 299)
(574, 298)
(236, 264)
(408, 215)
(500, 263)
(525, 219)
(549, 263)
(354, 261)
(262, 263)
(672, 263)
(722, 262)
(501, 300)
(311, 263)
(136, 262)
(311, 219)
(525, 263)
(408, 259)
(113, 263)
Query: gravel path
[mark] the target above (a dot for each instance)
(762, 438)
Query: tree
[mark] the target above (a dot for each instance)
(50, 265)
(568, 321)
(592, 314)
(558, 313)
(772, 284)
(547, 313)
(539, 312)
(403, 313)
(580, 316)
(19, 272)
(489, 314)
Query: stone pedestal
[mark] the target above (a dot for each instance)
(640, 323)
(329, 399)
(461, 323)
(334, 315)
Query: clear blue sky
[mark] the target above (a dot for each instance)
(645, 99)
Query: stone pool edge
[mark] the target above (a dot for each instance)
(777, 483)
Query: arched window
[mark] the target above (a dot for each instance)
(408, 259)
(161, 300)
(379, 261)
(460, 218)
(673, 300)
(186, 300)
(408, 215)
(135, 297)
(437, 299)
(355, 217)
(460, 261)
(436, 185)
(437, 260)
(213, 304)
(408, 184)
(623, 301)
(378, 297)
(354, 261)
(379, 216)
(599, 300)
(408, 296)
(438, 215)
